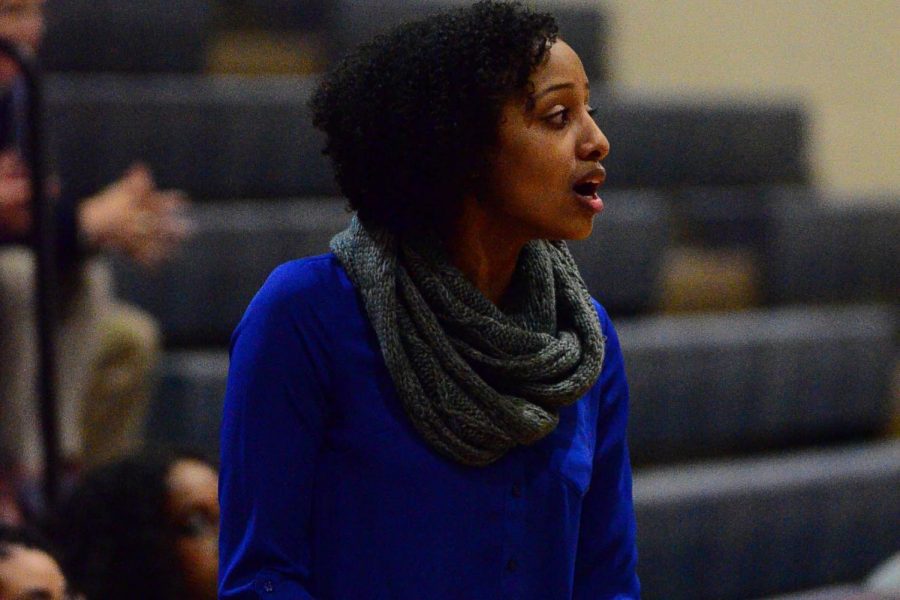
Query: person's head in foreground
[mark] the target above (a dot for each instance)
(144, 527)
(475, 119)
(27, 569)
(466, 144)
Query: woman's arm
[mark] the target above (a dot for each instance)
(607, 554)
(271, 433)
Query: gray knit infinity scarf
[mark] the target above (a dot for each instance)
(474, 379)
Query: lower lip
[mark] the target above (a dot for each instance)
(594, 203)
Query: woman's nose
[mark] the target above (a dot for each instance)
(595, 146)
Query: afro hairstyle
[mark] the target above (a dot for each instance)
(410, 118)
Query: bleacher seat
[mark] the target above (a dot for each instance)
(675, 142)
(820, 249)
(725, 530)
(738, 529)
(215, 137)
(704, 385)
(190, 390)
(258, 139)
(700, 386)
(723, 216)
(621, 261)
(838, 592)
(200, 296)
(583, 25)
(133, 36)
(277, 15)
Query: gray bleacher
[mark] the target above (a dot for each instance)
(722, 216)
(258, 140)
(621, 261)
(676, 142)
(703, 385)
(724, 530)
(188, 414)
(582, 24)
(277, 15)
(838, 592)
(199, 297)
(133, 36)
(710, 384)
(738, 529)
(214, 137)
(820, 249)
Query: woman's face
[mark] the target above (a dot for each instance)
(545, 167)
(194, 509)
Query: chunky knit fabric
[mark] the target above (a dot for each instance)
(474, 379)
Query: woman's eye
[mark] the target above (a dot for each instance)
(560, 118)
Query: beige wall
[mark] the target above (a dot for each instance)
(839, 56)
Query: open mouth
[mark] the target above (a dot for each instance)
(588, 188)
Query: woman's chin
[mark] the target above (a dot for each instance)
(577, 229)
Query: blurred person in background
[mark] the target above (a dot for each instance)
(437, 408)
(28, 570)
(144, 528)
(106, 349)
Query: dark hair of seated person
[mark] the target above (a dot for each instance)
(24, 537)
(406, 148)
(115, 534)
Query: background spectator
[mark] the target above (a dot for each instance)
(106, 349)
(144, 527)
(27, 568)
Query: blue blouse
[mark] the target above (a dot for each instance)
(327, 491)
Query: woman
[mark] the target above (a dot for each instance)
(143, 527)
(437, 408)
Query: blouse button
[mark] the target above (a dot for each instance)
(269, 586)
(512, 565)
(516, 491)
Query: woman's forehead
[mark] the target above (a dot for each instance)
(563, 66)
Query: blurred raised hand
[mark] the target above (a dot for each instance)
(135, 218)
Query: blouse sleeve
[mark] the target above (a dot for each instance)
(607, 552)
(271, 434)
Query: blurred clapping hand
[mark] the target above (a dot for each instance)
(135, 218)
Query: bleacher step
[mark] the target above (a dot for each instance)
(243, 137)
(735, 529)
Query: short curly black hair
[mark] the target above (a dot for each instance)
(411, 116)
(22, 537)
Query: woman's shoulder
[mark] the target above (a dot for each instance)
(310, 278)
(314, 284)
(305, 274)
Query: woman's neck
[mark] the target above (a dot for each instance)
(485, 253)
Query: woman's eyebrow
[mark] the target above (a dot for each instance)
(558, 86)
